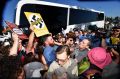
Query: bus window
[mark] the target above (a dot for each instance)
(78, 16)
(54, 17)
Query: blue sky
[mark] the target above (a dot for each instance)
(111, 8)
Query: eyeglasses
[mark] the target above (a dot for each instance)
(62, 60)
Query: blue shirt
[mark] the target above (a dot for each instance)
(49, 54)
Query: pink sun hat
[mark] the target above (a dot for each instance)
(99, 57)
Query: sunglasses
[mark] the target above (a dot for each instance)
(116, 30)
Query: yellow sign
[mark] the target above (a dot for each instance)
(37, 22)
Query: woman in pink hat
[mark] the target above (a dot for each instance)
(99, 58)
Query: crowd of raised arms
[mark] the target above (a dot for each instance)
(79, 54)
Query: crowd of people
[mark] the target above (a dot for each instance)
(79, 54)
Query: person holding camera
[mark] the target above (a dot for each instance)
(112, 70)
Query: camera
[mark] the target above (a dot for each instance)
(114, 46)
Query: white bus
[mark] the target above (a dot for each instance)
(58, 16)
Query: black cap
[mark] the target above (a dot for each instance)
(116, 27)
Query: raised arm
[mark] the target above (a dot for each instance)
(31, 39)
(14, 49)
(103, 43)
